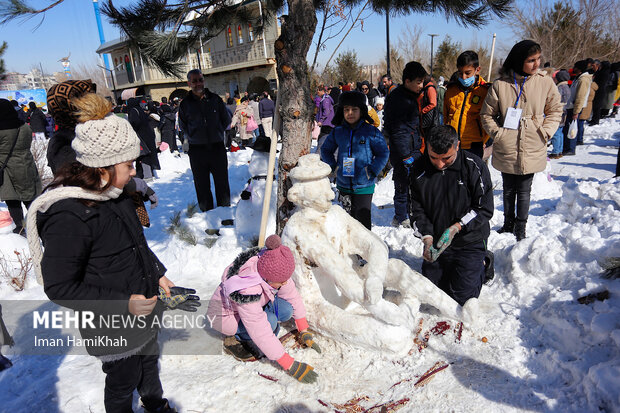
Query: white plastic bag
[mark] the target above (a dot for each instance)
(572, 130)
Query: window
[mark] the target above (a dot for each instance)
(239, 35)
(250, 32)
(229, 38)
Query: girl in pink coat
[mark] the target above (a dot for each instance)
(255, 295)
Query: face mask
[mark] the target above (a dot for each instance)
(467, 82)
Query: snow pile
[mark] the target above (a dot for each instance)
(549, 337)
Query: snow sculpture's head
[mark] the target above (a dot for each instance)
(259, 163)
(311, 187)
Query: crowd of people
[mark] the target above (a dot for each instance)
(436, 138)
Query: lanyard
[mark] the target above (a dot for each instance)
(351, 144)
(517, 86)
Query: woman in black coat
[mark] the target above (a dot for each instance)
(167, 120)
(96, 257)
(140, 122)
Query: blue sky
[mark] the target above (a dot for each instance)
(71, 27)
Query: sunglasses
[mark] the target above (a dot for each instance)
(364, 88)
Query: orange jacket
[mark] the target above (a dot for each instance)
(465, 118)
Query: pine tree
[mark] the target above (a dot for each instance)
(348, 68)
(447, 52)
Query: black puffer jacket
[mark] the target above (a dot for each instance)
(401, 124)
(95, 258)
(37, 121)
(462, 192)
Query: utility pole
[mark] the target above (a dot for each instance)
(432, 49)
(491, 60)
(387, 36)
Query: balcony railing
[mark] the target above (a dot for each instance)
(251, 54)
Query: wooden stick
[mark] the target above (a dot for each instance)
(270, 168)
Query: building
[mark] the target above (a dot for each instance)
(236, 60)
(14, 81)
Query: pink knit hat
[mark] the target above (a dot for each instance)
(275, 261)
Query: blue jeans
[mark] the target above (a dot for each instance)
(558, 141)
(571, 144)
(277, 311)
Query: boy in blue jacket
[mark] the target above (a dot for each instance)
(362, 155)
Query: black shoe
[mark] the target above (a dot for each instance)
(489, 268)
(5, 363)
(570, 153)
(509, 226)
(19, 230)
(579, 143)
(520, 230)
(165, 408)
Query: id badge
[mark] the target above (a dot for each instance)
(513, 116)
(348, 167)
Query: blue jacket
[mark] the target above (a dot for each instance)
(366, 144)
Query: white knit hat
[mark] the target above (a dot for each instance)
(105, 142)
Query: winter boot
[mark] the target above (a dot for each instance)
(520, 230)
(509, 226)
(237, 350)
(489, 268)
(253, 348)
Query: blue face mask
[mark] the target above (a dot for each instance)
(467, 82)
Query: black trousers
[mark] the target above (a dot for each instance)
(517, 188)
(358, 206)
(207, 160)
(16, 211)
(136, 372)
(459, 272)
(477, 148)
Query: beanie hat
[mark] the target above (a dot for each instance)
(275, 261)
(352, 98)
(104, 142)
(379, 101)
(59, 101)
(562, 76)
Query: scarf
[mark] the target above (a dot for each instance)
(44, 202)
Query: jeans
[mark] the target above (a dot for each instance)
(557, 140)
(517, 187)
(277, 311)
(571, 144)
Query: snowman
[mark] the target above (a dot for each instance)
(250, 206)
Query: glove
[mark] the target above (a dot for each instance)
(408, 162)
(444, 241)
(141, 186)
(154, 202)
(303, 372)
(180, 298)
(307, 339)
(428, 247)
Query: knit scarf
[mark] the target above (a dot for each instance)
(44, 202)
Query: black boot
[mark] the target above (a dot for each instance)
(520, 230)
(253, 348)
(509, 226)
(489, 268)
(164, 408)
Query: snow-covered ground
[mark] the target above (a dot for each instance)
(536, 349)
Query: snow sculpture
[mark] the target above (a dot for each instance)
(250, 206)
(345, 298)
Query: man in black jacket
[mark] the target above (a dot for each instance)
(401, 125)
(203, 118)
(451, 205)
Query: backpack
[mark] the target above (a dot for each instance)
(430, 118)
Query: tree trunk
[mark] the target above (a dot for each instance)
(296, 109)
